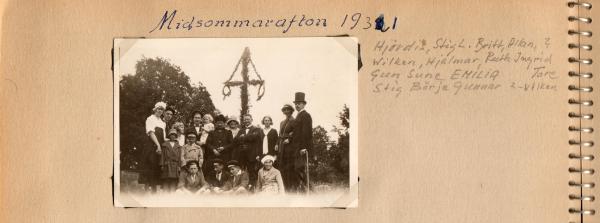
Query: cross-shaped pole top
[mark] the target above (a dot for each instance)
(244, 60)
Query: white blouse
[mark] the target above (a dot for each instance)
(235, 132)
(265, 147)
(152, 122)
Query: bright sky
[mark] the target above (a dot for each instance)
(324, 68)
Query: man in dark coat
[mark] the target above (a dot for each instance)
(219, 180)
(248, 144)
(218, 144)
(302, 137)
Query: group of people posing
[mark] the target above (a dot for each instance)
(220, 156)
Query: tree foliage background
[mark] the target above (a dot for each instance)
(332, 166)
(155, 79)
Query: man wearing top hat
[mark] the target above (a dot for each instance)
(302, 138)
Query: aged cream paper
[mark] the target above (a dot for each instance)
(493, 155)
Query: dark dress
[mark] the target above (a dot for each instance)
(286, 157)
(192, 128)
(152, 159)
(217, 138)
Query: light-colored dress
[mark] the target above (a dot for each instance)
(269, 181)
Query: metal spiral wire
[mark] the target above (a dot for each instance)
(581, 91)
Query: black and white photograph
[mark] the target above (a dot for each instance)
(236, 122)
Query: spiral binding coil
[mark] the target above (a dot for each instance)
(581, 90)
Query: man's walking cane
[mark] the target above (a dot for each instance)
(307, 176)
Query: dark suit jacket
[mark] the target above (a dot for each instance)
(192, 128)
(224, 183)
(248, 144)
(302, 135)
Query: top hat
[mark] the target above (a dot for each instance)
(299, 97)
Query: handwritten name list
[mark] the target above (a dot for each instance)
(446, 66)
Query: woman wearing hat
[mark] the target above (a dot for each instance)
(171, 157)
(286, 149)
(219, 142)
(269, 179)
(233, 125)
(155, 129)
